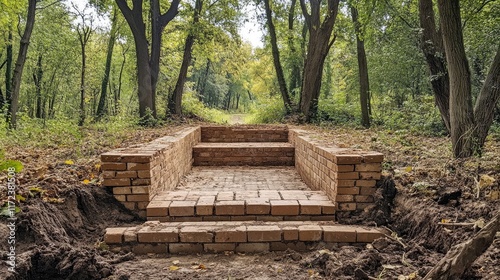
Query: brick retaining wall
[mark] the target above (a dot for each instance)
(246, 133)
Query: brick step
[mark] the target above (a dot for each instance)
(244, 134)
(214, 237)
(248, 153)
(241, 205)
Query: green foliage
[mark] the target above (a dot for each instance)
(191, 105)
(148, 120)
(272, 111)
(337, 111)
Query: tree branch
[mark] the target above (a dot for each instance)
(306, 14)
(170, 14)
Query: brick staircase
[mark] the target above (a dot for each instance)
(239, 197)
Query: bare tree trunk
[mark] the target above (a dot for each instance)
(21, 59)
(463, 130)
(432, 47)
(120, 76)
(484, 110)
(37, 78)
(84, 37)
(101, 108)
(318, 47)
(8, 69)
(276, 58)
(364, 82)
(295, 79)
(175, 101)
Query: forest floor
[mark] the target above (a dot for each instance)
(65, 212)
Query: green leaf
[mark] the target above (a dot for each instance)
(5, 165)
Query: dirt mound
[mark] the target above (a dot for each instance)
(61, 241)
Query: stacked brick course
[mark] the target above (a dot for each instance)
(225, 134)
(138, 173)
(347, 176)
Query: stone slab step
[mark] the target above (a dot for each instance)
(244, 134)
(241, 205)
(214, 237)
(248, 153)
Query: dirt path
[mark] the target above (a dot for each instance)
(237, 118)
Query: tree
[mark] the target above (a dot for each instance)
(318, 47)
(147, 60)
(18, 69)
(469, 126)
(175, 101)
(432, 46)
(364, 82)
(276, 57)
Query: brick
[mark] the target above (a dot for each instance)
(348, 159)
(140, 190)
(346, 206)
(366, 183)
(144, 174)
(142, 205)
(370, 175)
(158, 208)
(205, 205)
(116, 182)
(344, 198)
(144, 249)
(310, 233)
(373, 167)
(351, 190)
(111, 157)
(342, 234)
(310, 207)
(346, 183)
(225, 196)
(114, 235)
(184, 248)
(363, 198)
(290, 233)
(237, 234)
(122, 190)
(138, 197)
(367, 191)
(182, 208)
(108, 174)
(231, 208)
(244, 218)
(132, 166)
(270, 194)
(219, 247)
(293, 195)
(157, 234)
(126, 174)
(252, 247)
(113, 166)
(347, 175)
(137, 158)
(130, 235)
(130, 205)
(120, 197)
(270, 218)
(263, 233)
(141, 182)
(373, 157)
(284, 207)
(344, 168)
(196, 234)
(258, 206)
(367, 235)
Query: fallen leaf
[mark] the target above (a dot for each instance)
(494, 195)
(97, 167)
(390, 266)
(69, 162)
(86, 181)
(173, 268)
(408, 169)
(486, 181)
(479, 223)
(20, 198)
(176, 262)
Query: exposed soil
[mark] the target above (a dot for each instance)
(62, 222)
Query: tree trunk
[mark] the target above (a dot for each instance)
(276, 58)
(101, 108)
(147, 67)
(203, 82)
(297, 58)
(317, 50)
(8, 69)
(37, 78)
(432, 47)
(175, 101)
(484, 110)
(463, 131)
(21, 59)
(120, 76)
(83, 36)
(364, 82)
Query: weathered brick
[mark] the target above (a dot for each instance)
(138, 166)
(114, 235)
(373, 157)
(237, 234)
(258, 206)
(367, 191)
(111, 157)
(142, 205)
(366, 183)
(351, 190)
(205, 205)
(346, 206)
(344, 198)
(263, 233)
(219, 247)
(369, 175)
(116, 182)
(363, 198)
(339, 234)
(120, 197)
(373, 167)
(140, 190)
(310, 207)
(290, 233)
(137, 158)
(310, 233)
(343, 167)
(122, 190)
(196, 234)
(130, 235)
(184, 248)
(225, 196)
(284, 207)
(367, 235)
(130, 205)
(348, 159)
(182, 208)
(157, 234)
(126, 174)
(346, 183)
(144, 174)
(137, 197)
(144, 249)
(347, 175)
(108, 174)
(252, 247)
(158, 208)
(116, 166)
(231, 208)
(141, 182)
